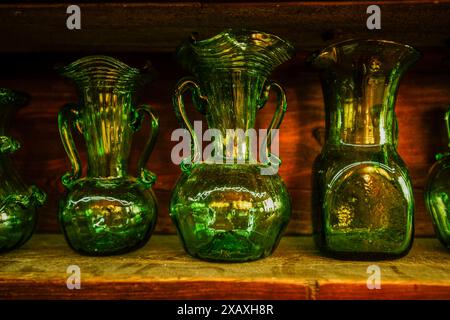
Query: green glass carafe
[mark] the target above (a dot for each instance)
(363, 203)
(108, 211)
(437, 192)
(228, 210)
(18, 202)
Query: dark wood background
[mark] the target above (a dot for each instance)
(34, 41)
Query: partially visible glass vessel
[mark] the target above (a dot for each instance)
(109, 211)
(363, 204)
(224, 207)
(437, 192)
(18, 202)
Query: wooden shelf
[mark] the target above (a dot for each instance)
(161, 26)
(161, 270)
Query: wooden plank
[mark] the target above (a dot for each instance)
(161, 270)
(423, 96)
(144, 27)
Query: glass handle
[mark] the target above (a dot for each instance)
(279, 111)
(447, 124)
(8, 145)
(442, 155)
(66, 118)
(200, 101)
(147, 177)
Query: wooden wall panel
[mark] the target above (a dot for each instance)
(423, 96)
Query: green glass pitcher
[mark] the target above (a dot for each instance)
(109, 211)
(363, 204)
(18, 202)
(437, 192)
(227, 210)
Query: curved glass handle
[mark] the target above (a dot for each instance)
(447, 124)
(8, 145)
(200, 102)
(442, 155)
(279, 111)
(66, 118)
(147, 177)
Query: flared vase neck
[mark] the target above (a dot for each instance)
(360, 80)
(231, 68)
(233, 98)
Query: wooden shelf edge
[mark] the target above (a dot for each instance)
(161, 270)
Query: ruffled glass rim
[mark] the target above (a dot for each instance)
(235, 49)
(100, 70)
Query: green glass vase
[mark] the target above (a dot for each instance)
(437, 192)
(109, 211)
(18, 202)
(225, 209)
(363, 203)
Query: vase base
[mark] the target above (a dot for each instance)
(370, 250)
(362, 256)
(99, 252)
(230, 246)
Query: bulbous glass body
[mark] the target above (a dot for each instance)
(437, 193)
(363, 204)
(230, 210)
(109, 211)
(18, 202)
(107, 216)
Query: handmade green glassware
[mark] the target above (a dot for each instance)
(224, 207)
(18, 202)
(363, 204)
(437, 192)
(109, 211)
